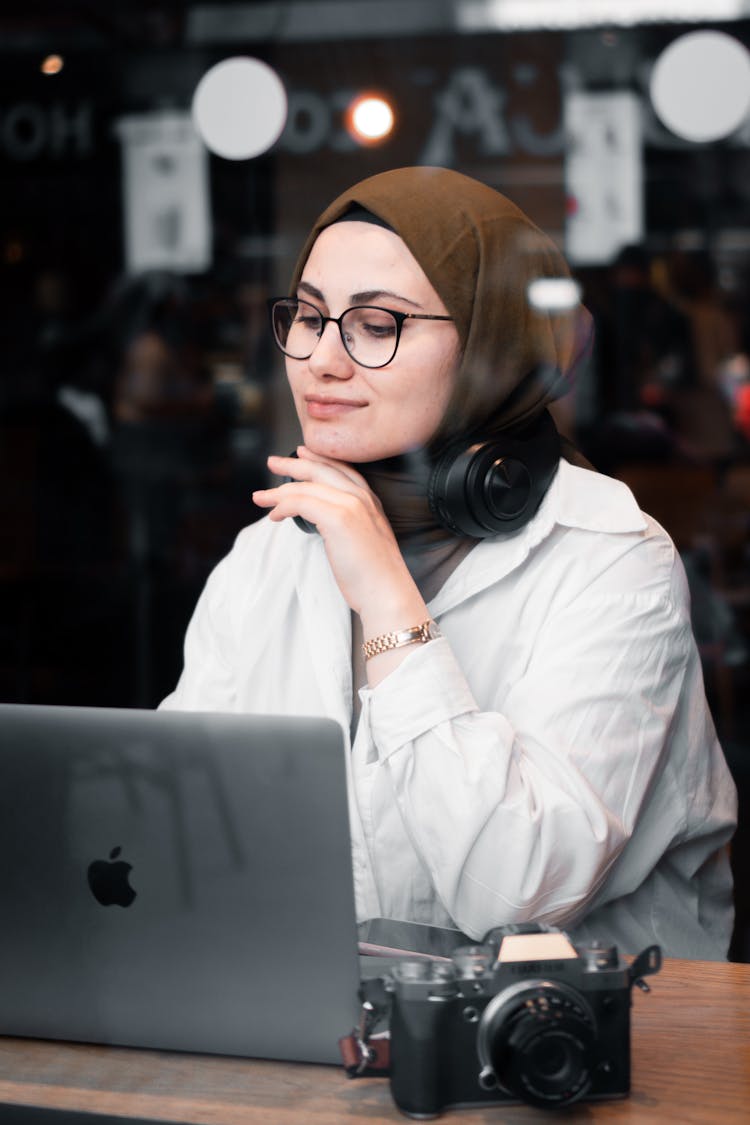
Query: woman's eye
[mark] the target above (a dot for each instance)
(380, 329)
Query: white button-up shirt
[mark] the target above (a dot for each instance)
(551, 757)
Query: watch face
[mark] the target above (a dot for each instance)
(433, 630)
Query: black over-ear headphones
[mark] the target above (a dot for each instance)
(492, 485)
(495, 485)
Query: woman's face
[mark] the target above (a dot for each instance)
(357, 414)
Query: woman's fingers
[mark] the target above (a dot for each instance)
(290, 500)
(310, 466)
(319, 502)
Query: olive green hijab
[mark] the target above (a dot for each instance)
(480, 253)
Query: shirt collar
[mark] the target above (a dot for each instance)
(577, 498)
(592, 501)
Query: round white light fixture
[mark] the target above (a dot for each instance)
(240, 108)
(369, 118)
(700, 85)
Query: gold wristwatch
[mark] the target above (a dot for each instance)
(417, 634)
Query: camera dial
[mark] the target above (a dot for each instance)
(473, 961)
(422, 979)
(535, 1041)
(597, 955)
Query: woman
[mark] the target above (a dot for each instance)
(530, 738)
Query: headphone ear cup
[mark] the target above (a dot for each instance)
(494, 486)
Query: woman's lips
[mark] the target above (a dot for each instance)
(318, 407)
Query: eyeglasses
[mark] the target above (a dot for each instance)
(369, 334)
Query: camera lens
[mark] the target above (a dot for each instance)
(554, 1060)
(538, 1037)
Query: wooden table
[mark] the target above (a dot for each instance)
(691, 1064)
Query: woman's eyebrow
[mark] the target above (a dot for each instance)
(311, 291)
(368, 295)
(363, 298)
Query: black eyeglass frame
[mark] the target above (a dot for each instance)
(399, 318)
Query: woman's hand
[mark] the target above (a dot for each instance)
(359, 542)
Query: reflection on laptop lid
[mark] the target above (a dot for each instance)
(176, 880)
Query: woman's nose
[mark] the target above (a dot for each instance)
(329, 356)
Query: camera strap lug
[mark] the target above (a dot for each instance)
(645, 964)
(365, 1052)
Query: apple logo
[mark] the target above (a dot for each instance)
(108, 880)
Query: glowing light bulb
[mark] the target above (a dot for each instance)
(52, 64)
(370, 118)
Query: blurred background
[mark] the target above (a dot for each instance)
(162, 161)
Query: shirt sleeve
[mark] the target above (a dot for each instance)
(207, 681)
(519, 813)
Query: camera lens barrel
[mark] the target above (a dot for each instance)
(537, 1037)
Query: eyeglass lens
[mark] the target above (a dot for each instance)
(370, 335)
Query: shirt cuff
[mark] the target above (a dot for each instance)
(426, 689)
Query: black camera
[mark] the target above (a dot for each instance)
(524, 1017)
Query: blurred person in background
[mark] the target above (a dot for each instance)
(701, 413)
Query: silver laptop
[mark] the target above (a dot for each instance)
(176, 880)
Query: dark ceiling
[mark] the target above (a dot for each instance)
(43, 24)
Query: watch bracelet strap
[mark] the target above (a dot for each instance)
(417, 634)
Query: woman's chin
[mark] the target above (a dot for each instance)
(337, 449)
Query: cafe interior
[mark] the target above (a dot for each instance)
(162, 161)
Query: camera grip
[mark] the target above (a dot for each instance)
(419, 1034)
